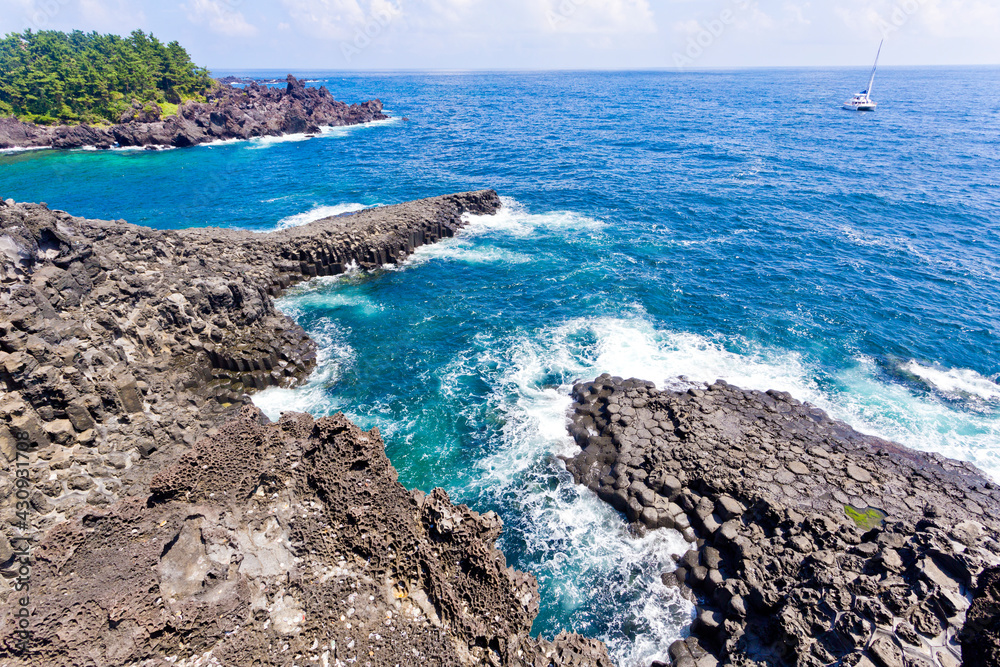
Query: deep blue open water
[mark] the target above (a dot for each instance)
(734, 225)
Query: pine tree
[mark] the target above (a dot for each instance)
(55, 77)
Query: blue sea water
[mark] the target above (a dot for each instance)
(734, 225)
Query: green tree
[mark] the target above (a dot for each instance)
(50, 76)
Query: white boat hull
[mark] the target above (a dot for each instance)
(851, 105)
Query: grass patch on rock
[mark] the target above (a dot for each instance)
(866, 519)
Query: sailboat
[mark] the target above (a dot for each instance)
(863, 101)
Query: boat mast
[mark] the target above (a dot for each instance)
(871, 81)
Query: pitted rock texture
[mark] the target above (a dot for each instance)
(981, 633)
(290, 543)
(814, 544)
(120, 346)
(228, 113)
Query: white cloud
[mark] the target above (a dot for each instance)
(957, 18)
(967, 19)
(599, 16)
(339, 19)
(221, 16)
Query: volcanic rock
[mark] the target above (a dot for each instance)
(812, 544)
(117, 339)
(175, 525)
(227, 113)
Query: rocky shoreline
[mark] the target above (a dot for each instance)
(228, 113)
(174, 523)
(813, 544)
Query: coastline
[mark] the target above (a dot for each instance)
(234, 538)
(229, 113)
(200, 332)
(813, 544)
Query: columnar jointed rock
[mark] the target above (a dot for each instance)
(816, 545)
(281, 544)
(118, 341)
(227, 113)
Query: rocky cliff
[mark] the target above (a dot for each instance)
(173, 523)
(120, 343)
(812, 543)
(228, 113)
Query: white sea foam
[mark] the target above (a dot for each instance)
(460, 250)
(266, 142)
(635, 348)
(320, 292)
(955, 382)
(335, 132)
(344, 130)
(334, 356)
(318, 213)
(513, 219)
(580, 548)
(7, 151)
(923, 422)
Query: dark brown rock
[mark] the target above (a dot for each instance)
(134, 341)
(268, 541)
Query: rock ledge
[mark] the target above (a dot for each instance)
(814, 544)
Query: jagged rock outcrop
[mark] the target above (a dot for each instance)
(280, 544)
(228, 113)
(814, 544)
(175, 525)
(119, 342)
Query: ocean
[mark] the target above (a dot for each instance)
(672, 226)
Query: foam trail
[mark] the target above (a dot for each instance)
(586, 559)
(957, 382)
(9, 151)
(513, 219)
(318, 213)
(258, 143)
(461, 250)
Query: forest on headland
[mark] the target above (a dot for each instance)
(50, 77)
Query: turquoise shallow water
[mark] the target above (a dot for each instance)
(714, 224)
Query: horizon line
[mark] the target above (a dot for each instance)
(676, 70)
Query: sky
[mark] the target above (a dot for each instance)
(539, 34)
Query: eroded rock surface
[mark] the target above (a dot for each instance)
(228, 113)
(119, 342)
(281, 544)
(814, 544)
(176, 525)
